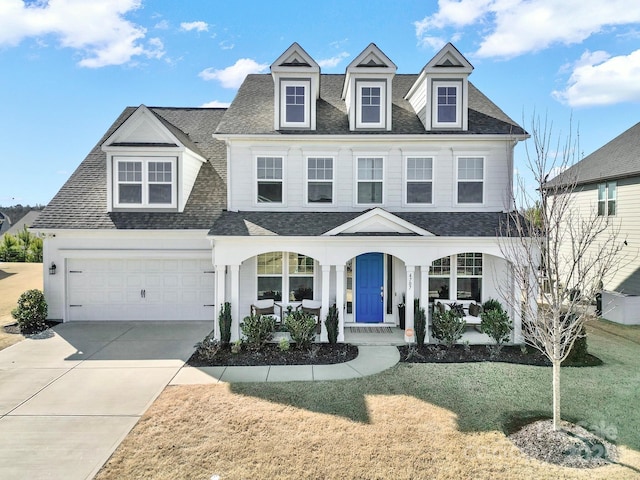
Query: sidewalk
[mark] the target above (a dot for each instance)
(370, 360)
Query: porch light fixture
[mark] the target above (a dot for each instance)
(52, 269)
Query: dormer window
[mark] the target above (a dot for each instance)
(295, 104)
(147, 182)
(371, 104)
(447, 104)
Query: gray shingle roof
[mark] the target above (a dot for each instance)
(446, 224)
(252, 111)
(81, 202)
(619, 158)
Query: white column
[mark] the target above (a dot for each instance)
(340, 300)
(219, 286)
(235, 302)
(424, 296)
(409, 332)
(326, 276)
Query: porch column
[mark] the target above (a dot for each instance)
(409, 331)
(340, 300)
(326, 276)
(235, 302)
(219, 286)
(424, 296)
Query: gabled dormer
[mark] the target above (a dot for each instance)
(440, 95)
(367, 90)
(296, 80)
(151, 164)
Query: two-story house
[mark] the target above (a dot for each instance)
(362, 190)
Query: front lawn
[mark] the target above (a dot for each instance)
(443, 421)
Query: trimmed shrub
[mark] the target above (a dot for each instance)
(492, 304)
(224, 319)
(302, 328)
(448, 327)
(331, 323)
(31, 312)
(258, 329)
(420, 324)
(497, 324)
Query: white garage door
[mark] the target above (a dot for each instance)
(140, 289)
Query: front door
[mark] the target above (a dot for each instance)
(370, 288)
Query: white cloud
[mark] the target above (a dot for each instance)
(97, 29)
(215, 104)
(513, 27)
(333, 61)
(233, 76)
(162, 25)
(226, 45)
(197, 26)
(599, 79)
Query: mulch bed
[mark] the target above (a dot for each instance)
(270, 354)
(480, 353)
(14, 328)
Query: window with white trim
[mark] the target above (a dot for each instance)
(295, 104)
(440, 279)
(148, 182)
(419, 188)
(319, 179)
(269, 178)
(470, 179)
(370, 104)
(370, 179)
(269, 271)
(301, 271)
(278, 272)
(607, 198)
(447, 104)
(469, 276)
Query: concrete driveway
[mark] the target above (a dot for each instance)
(69, 397)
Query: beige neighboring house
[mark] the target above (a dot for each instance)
(608, 181)
(27, 220)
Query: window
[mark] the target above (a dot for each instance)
(470, 179)
(419, 180)
(278, 272)
(370, 177)
(439, 279)
(469, 276)
(370, 105)
(607, 193)
(145, 182)
(269, 174)
(447, 105)
(320, 180)
(295, 104)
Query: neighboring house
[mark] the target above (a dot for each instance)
(360, 190)
(608, 182)
(27, 221)
(5, 223)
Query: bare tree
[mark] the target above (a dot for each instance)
(560, 262)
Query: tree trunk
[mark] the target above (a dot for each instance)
(556, 395)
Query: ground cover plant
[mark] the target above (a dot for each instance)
(441, 421)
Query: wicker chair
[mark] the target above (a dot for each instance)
(312, 307)
(266, 307)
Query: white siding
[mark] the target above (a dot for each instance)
(189, 168)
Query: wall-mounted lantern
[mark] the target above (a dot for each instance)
(52, 269)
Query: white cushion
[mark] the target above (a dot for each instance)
(263, 303)
(311, 304)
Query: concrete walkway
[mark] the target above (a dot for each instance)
(70, 396)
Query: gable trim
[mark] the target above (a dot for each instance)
(368, 219)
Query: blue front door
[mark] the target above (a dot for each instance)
(369, 288)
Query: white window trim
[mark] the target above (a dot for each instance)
(453, 275)
(606, 199)
(283, 103)
(357, 180)
(285, 275)
(484, 182)
(117, 159)
(383, 104)
(282, 180)
(406, 181)
(434, 102)
(306, 181)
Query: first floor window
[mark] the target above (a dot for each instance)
(419, 180)
(270, 276)
(440, 279)
(469, 276)
(607, 193)
(300, 277)
(370, 178)
(320, 180)
(145, 182)
(470, 179)
(463, 270)
(269, 175)
(291, 273)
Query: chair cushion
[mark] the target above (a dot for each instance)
(474, 309)
(263, 303)
(311, 304)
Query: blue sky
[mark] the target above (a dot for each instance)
(69, 67)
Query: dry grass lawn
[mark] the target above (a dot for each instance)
(15, 278)
(411, 422)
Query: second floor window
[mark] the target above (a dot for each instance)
(269, 175)
(607, 193)
(370, 180)
(470, 180)
(419, 180)
(145, 182)
(320, 180)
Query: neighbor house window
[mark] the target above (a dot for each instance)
(320, 180)
(370, 105)
(469, 276)
(447, 105)
(370, 179)
(145, 182)
(440, 279)
(419, 180)
(607, 193)
(269, 174)
(280, 272)
(470, 179)
(295, 104)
